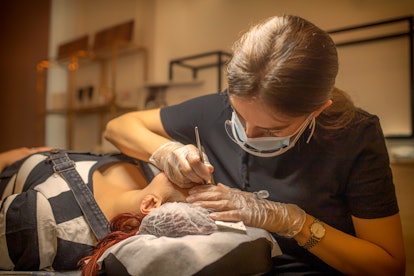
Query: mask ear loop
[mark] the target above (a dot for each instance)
(312, 126)
(301, 129)
(299, 133)
(227, 126)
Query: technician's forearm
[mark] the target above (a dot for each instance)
(352, 255)
(133, 136)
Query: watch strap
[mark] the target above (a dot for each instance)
(312, 241)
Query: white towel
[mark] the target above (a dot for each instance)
(188, 255)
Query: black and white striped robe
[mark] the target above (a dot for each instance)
(41, 225)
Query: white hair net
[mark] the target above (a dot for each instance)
(177, 219)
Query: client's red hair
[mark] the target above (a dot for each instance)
(122, 226)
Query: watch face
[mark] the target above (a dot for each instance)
(318, 230)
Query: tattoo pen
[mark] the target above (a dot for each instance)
(200, 152)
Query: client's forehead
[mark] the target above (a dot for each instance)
(168, 190)
(178, 194)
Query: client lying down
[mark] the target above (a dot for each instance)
(47, 222)
(180, 239)
(43, 225)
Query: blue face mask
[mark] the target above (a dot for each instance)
(266, 146)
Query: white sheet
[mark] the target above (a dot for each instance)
(149, 255)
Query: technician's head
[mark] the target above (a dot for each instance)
(281, 76)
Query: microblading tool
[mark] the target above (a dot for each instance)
(200, 152)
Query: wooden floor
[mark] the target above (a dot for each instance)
(404, 184)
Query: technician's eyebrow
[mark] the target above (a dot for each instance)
(243, 121)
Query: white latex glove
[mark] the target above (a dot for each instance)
(230, 204)
(182, 164)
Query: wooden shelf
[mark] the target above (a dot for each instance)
(107, 59)
(122, 49)
(83, 58)
(90, 109)
(158, 85)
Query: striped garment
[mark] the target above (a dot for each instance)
(41, 224)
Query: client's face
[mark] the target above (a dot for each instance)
(168, 191)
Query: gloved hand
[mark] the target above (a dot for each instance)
(182, 164)
(230, 204)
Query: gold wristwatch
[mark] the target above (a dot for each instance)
(317, 233)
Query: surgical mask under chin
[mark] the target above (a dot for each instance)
(265, 146)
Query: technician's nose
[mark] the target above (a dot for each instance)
(252, 131)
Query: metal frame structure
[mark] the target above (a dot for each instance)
(409, 33)
(221, 58)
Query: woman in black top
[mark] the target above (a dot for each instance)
(313, 168)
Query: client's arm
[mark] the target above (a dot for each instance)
(9, 157)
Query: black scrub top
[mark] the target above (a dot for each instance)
(330, 180)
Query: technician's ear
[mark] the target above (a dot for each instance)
(148, 203)
(322, 108)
